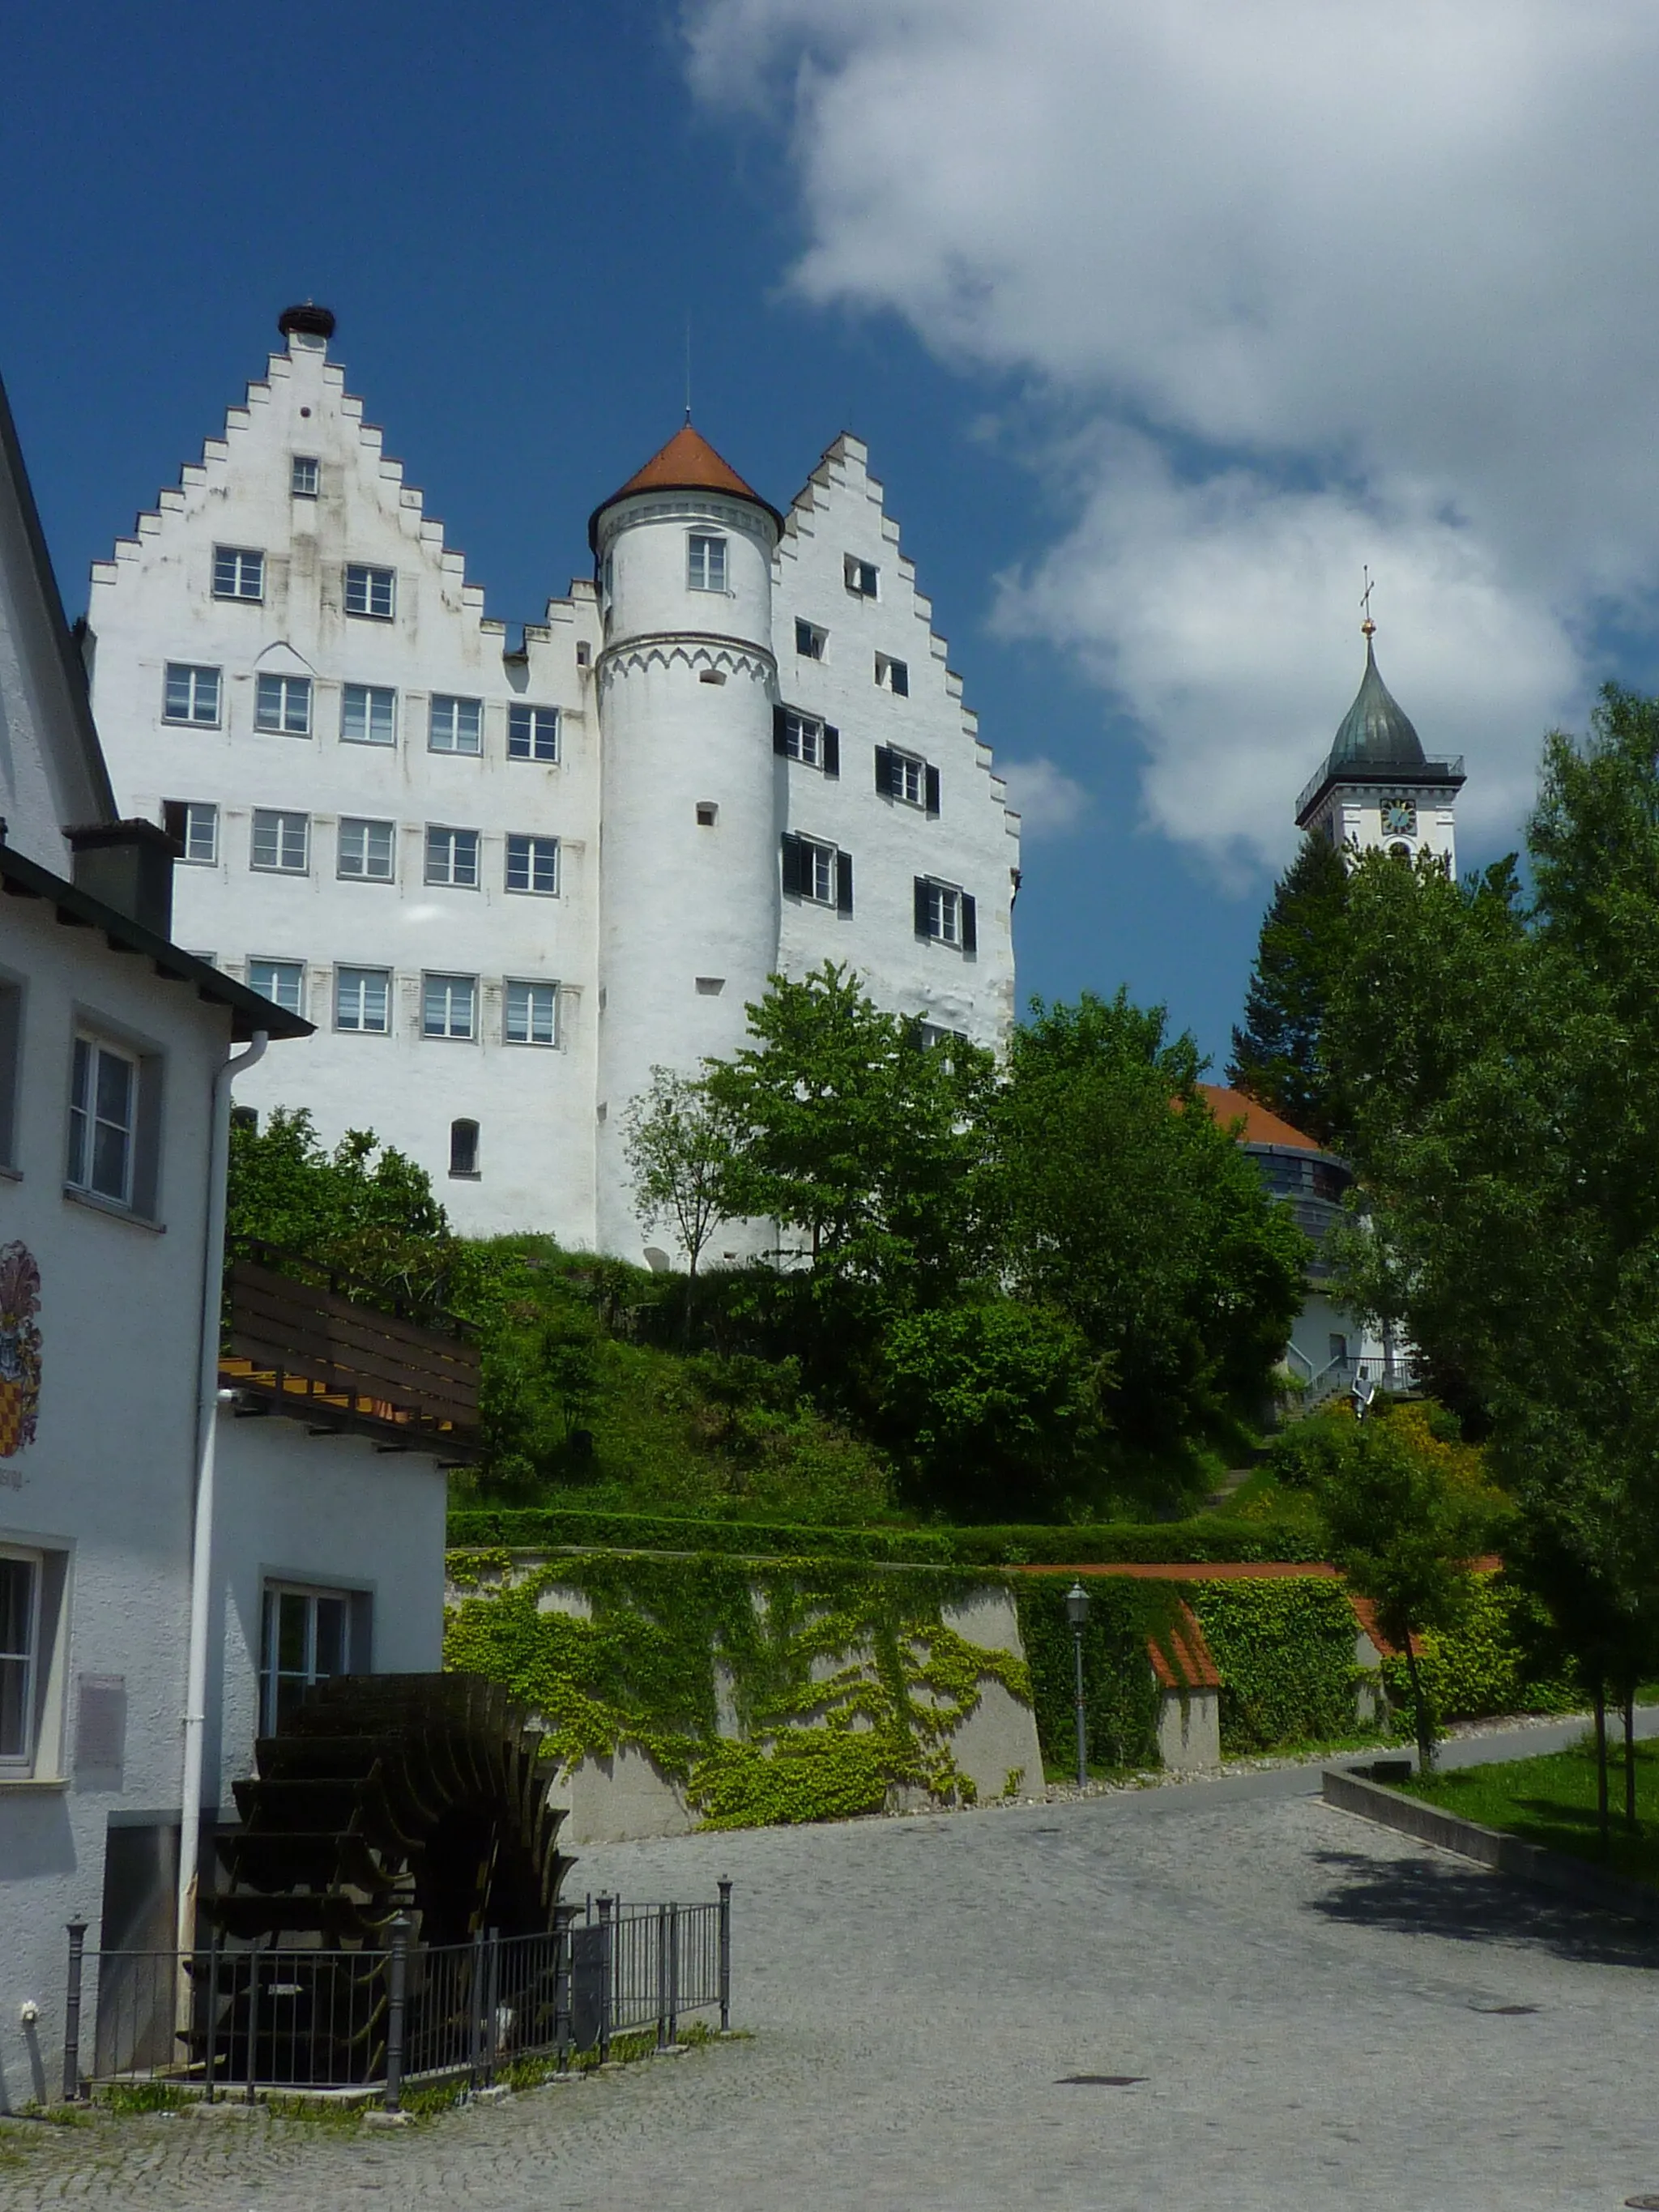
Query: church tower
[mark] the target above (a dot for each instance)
(691, 801)
(1378, 789)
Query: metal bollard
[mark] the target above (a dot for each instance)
(673, 1973)
(397, 1992)
(607, 1975)
(78, 1936)
(725, 1956)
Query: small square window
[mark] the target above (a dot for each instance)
(363, 1000)
(809, 640)
(366, 849)
(446, 1005)
(452, 858)
(238, 573)
(707, 814)
(705, 562)
(893, 674)
(531, 1015)
(280, 841)
(532, 733)
(532, 864)
(455, 725)
(302, 476)
(368, 715)
(863, 577)
(369, 591)
(283, 703)
(194, 826)
(103, 1120)
(282, 982)
(192, 694)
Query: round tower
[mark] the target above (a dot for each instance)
(690, 819)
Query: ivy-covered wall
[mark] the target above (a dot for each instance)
(1285, 1651)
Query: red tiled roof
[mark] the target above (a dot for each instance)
(687, 463)
(1261, 1127)
(1183, 1660)
(1364, 1612)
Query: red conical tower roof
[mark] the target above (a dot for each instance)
(687, 463)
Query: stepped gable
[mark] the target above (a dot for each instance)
(843, 473)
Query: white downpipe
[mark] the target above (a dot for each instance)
(207, 1430)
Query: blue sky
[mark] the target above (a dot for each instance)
(512, 211)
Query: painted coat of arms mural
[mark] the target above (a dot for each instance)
(20, 1347)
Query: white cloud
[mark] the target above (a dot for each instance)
(1323, 285)
(1049, 803)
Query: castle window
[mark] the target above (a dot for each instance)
(464, 1148)
(190, 694)
(369, 591)
(238, 573)
(705, 563)
(283, 703)
(863, 577)
(532, 733)
(707, 814)
(945, 915)
(302, 476)
(446, 1005)
(893, 674)
(365, 850)
(455, 725)
(368, 715)
(817, 871)
(532, 864)
(531, 1014)
(363, 1000)
(280, 841)
(282, 982)
(452, 858)
(804, 739)
(902, 776)
(194, 826)
(809, 640)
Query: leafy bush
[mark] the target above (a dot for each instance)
(1497, 1659)
(1285, 1651)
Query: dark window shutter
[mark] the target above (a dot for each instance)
(970, 925)
(921, 906)
(843, 883)
(174, 815)
(899, 677)
(790, 863)
(779, 743)
(831, 750)
(933, 791)
(885, 770)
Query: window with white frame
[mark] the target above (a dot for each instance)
(194, 826)
(282, 982)
(369, 714)
(803, 738)
(302, 477)
(455, 725)
(705, 561)
(20, 1657)
(946, 913)
(531, 1015)
(809, 640)
(238, 573)
(452, 858)
(103, 1124)
(893, 676)
(532, 732)
(283, 703)
(814, 870)
(863, 577)
(369, 591)
(280, 841)
(363, 1000)
(366, 849)
(190, 693)
(448, 1004)
(532, 864)
(306, 1639)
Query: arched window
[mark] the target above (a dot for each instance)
(464, 1148)
(1400, 852)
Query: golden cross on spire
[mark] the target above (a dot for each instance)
(1368, 628)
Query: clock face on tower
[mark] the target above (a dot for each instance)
(1399, 817)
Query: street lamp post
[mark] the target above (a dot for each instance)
(1076, 1611)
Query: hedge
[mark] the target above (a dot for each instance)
(1214, 1541)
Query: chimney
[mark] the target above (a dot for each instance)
(129, 866)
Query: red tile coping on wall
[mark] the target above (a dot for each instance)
(1183, 1660)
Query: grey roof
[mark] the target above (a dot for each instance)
(1375, 731)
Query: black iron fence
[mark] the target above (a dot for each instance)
(228, 2020)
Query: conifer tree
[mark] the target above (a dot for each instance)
(1275, 1056)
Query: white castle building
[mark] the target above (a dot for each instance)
(506, 877)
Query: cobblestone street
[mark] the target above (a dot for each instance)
(1321, 2013)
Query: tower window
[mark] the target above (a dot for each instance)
(464, 1148)
(705, 562)
(863, 577)
(369, 591)
(809, 640)
(302, 476)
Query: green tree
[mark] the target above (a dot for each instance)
(677, 1144)
(1276, 1056)
(1123, 1207)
